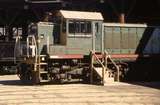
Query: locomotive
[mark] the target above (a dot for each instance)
(77, 45)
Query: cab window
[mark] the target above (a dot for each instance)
(32, 29)
(79, 27)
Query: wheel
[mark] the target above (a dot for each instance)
(35, 78)
(86, 75)
(23, 73)
(123, 69)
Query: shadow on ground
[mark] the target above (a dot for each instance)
(11, 82)
(155, 85)
(16, 82)
(20, 83)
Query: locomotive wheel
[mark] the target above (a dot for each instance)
(23, 73)
(86, 75)
(26, 74)
(35, 77)
(123, 68)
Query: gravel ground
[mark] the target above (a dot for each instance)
(13, 92)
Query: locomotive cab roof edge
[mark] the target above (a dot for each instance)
(81, 15)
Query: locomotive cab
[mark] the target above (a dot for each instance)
(71, 32)
(79, 32)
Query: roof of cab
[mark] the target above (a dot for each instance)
(81, 15)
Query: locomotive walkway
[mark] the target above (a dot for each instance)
(12, 92)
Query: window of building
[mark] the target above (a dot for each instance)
(79, 27)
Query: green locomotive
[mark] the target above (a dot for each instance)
(79, 46)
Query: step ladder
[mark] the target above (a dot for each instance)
(102, 70)
(108, 77)
(42, 67)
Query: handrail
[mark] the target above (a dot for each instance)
(36, 49)
(104, 66)
(98, 59)
(93, 55)
(117, 68)
(17, 43)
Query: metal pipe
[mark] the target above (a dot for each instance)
(91, 67)
(122, 18)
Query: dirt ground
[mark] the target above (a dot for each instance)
(13, 92)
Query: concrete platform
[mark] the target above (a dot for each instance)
(13, 92)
